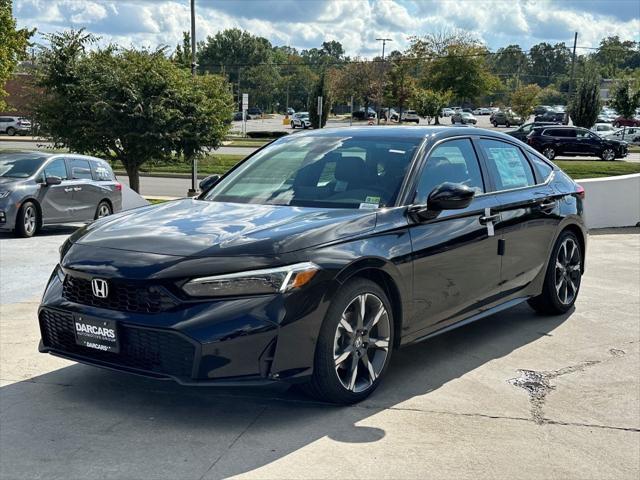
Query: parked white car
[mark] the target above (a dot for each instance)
(628, 134)
(603, 128)
(300, 120)
(410, 116)
(447, 112)
(14, 125)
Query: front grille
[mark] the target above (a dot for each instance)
(158, 351)
(123, 296)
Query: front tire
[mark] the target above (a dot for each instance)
(11, 131)
(549, 152)
(354, 346)
(563, 277)
(27, 220)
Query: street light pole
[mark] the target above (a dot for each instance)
(380, 90)
(194, 160)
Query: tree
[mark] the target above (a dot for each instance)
(429, 103)
(548, 62)
(400, 82)
(13, 46)
(585, 105)
(182, 55)
(133, 106)
(614, 55)
(455, 61)
(510, 62)
(524, 100)
(319, 91)
(625, 98)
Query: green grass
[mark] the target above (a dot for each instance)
(214, 163)
(577, 169)
(257, 143)
(155, 201)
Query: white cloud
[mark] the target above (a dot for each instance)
(354, 23)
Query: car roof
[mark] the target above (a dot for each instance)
(417, 132)
(45, 155)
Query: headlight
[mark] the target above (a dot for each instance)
(272, 280)
(5, 194)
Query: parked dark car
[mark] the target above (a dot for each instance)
(237, 116)
(541, 109)
(550, 116)
(39, 189)
(254, 111)
(573, 141)
(362, 115)
(521, 132)
(626, 122)
(506, 118)
(316, 257)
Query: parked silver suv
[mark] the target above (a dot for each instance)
(38, 188)
(14, 125)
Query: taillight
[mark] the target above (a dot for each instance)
(118, 187)
(580, 192)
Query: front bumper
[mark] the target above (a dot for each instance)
(252, 340)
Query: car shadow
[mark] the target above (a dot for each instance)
(79, 419)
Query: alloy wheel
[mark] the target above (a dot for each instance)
(568, 270)
(29, 220)
(361, 344)
(103, 210)
(549, 152)
(608, 154)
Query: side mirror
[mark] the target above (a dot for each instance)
(208, 182)
(446, 196)
(52, 181)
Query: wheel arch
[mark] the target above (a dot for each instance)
(384, 274)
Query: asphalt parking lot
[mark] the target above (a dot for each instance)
(514, 396)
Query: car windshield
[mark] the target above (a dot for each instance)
(321, 171)
(19, 165)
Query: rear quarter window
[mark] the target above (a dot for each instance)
(542, 168)
(102, 171)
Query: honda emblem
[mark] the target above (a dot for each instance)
(100, 288)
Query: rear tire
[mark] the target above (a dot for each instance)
(562, 278)
(608, 154)
(27, 220)
(103, 210)
(495, 124)
(353, 350)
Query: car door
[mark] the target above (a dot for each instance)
(56, 201)
(527, 208)
(587, 143)
(455, 262)
(84, 201)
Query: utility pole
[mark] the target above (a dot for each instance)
(194, 160)
(573, 69)
(380, 90)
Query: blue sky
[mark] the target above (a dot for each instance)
(355, 23)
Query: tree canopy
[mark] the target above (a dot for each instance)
(134, 106)
(13, 46)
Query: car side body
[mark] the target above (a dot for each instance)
(84, 184)
(552, 141)
(14, 125)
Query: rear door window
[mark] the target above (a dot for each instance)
(80, 169)
(508, 164)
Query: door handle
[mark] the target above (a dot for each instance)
(547, 205)
(489, 218)
(69, 189)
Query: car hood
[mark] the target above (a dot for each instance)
(192, 227)
(8, 181)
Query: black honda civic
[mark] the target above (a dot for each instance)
(316, 257)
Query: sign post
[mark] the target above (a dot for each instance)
(319, 112)
(245, 106)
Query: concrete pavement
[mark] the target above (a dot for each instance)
(514, 396)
